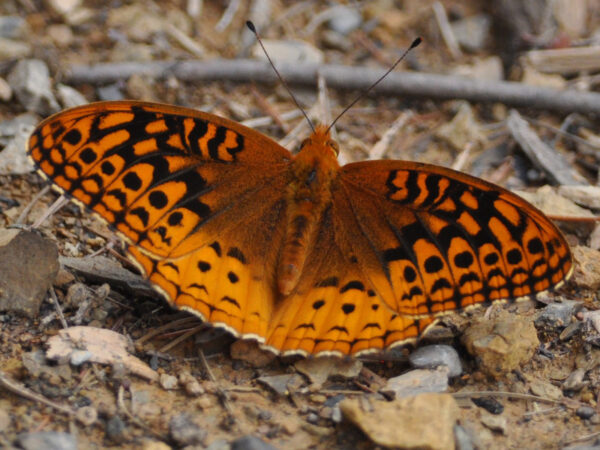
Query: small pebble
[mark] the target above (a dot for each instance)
(345, 20)
(490, 404)
(575, 380)
(494, 423)
(463, 440)
(13, 27)
(30, 81)
(70, 97)
(47, 440)
(110, 92)
(250, 442)
(472, 32)
(185, 431)
(78, 357)
(190, 384)
(5, 90)
(87, 415)
(312, 418)
(168, 382)
(417, 381)
(116, 429)
(571, 330)
(432, 356)
(557, 315)
(585, 412)
(336, 414)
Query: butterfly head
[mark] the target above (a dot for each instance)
(321, 140)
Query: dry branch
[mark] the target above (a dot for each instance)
(541, 154)
(345, 77)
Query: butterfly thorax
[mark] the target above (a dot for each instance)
(315, 168)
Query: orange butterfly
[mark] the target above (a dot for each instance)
(294, 251)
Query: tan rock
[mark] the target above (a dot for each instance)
(425, 421)
(501, 344)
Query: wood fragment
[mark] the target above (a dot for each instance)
(544, 157)
(564, 60)
(412, 84)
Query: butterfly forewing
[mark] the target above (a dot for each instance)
(155, 173)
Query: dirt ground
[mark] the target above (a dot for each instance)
(214, 398)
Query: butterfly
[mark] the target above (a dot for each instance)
(295, 251)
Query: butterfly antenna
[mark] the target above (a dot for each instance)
(252, 28)
(414, 44)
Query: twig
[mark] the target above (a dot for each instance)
(256, 122)
(446, 30)
(168, 326)
(227, 16)
(185, 41)
(19, 389)
(269, 109)
(29, 207)
(567, 401)
(587, 437)
(346, 77)
(52, 209)
(463, 156)
(122, 407)
(222, 394)
(183, 337)
(381, 147)
(542, 155)
(59, 311)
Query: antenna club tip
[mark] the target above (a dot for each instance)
(251, 26)
(416, 42)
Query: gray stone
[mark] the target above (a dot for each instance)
(28, 265)
(585, 412)
(116, 429)
(110, 93)
(47, 440)
(30, 81)
(462, 439)
(13, 27)
(250, 442)
(69, 97)
(472, 32)
(345, 19)
(557, 315)
(432, 356)
(417, 382)
(14, 135)
(5, 90)
(185, 431)
(168, 382)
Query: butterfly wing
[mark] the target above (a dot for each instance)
(196, 197)
(434, 240)
(404, 243)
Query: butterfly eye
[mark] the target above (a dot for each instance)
(304, 143)
(334, 145)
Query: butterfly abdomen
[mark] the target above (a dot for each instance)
(315, 169)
